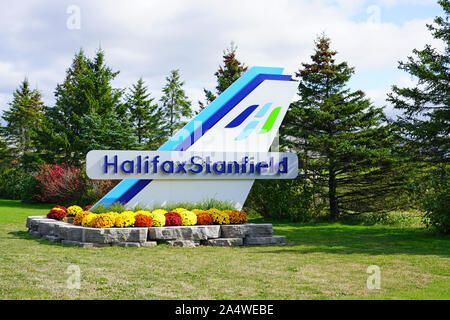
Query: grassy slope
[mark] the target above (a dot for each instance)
(322, 261)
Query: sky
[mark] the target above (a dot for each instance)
(148, 38)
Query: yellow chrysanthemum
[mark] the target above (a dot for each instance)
(87, 219)
(188, 218)
(179, 210)
(159, 220)
(80, 216)
(220, 217)
(125, 219)
(159, 211)
(73, 210)
(103, 220)
(214, 210)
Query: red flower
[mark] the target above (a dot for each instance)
(173, 219)
(56, 214)
(87, 208)
(143, 221)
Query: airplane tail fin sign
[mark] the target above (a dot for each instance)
(244, 118)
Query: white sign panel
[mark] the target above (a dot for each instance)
(174, 165)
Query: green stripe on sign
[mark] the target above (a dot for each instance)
(270, 120)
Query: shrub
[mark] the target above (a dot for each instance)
(80, 216)
(238, 217)
(291, 200)
(68, 184)
(204, 218)
(188, 218)
(125, 219)
(173, 219)
(143, 220)
(159, 220)
(436, 203)
(11, 183)
(102, 220)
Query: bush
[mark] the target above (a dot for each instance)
(11, 183)
(68, 184)
(282, 200)
(436, 203)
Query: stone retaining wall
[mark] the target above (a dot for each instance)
(182, 236)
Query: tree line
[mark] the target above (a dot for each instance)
(353, 159)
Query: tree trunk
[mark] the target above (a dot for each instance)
(332, 196)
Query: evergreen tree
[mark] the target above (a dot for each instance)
(342, 142)
(231, 70)
(175, 104)
(86, 90)
(144, 116)
(424, 125)
(425, 122)
(22, 118)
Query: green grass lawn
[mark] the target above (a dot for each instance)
(320, 261)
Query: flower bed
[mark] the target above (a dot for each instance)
(143, 218)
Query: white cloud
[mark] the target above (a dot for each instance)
(149, 38)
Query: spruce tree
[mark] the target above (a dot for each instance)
(342, 142)
(424, 125)
(175, 104)
(144, 116)
(22, 118)
(425, 122)
(231, 70)
(86, 90)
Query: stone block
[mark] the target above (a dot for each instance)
(234, 230)
(149, 244)
(181, 243)
(114, 235)
(183, 233)
(46, 227)
(34, 233)
(70, 232)
(51, 238)
(30, 218)
(224, 242)
(265, 240)
(259, 230)
(126, 244)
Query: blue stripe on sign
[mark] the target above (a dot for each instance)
(121, 188)
(135, 189)
(227, 107)
(263, 110)
(247, 130)
(241, 117)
